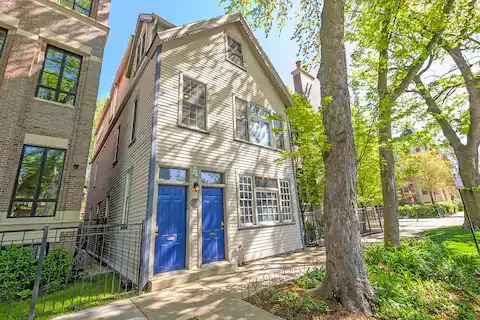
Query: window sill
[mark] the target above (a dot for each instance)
(54, 103)
(237, 65)
(262, 226)
(26, 217)
(258, 145)
(193, 129)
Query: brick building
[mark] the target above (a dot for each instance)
(51, 55)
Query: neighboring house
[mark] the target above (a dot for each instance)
(186, 144)
(412, 191)
(50, 60)
(306, 84)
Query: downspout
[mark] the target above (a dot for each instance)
(294, 169)
(151, 175)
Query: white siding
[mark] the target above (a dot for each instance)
(202, 57)
(110, 178)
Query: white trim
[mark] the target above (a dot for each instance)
(56, 103)
(244, 66)
(27, 34)
(95, 175)
(117, 146)
(63, 40)
(126, 197)
(45, 141)
(9, 21)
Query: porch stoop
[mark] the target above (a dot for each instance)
(174, 278)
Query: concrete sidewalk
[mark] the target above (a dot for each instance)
(220, 297)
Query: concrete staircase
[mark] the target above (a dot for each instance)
(177, 277)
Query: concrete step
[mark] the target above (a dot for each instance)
(174, 278)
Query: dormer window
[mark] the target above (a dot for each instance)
(235, 52)
(81, 6)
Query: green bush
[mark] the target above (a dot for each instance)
(311, 279)
(18, 266)
(17, 271)
(421, 279)
(441, 208)
(57, 269)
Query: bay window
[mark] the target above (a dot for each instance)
(264, 201)
(37, 185)
(258, 125)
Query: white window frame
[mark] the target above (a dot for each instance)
(255, 189)
(270, 122)
(182, 76)
(126, 197)
(286, 206)
(107, 208)
(227, 48)
(117, 146)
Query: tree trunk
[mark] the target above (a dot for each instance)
(468, 170)
(432, 198)
(346, 278)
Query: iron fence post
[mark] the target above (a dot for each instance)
(36, 284)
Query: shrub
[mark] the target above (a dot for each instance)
(428, 211)
(17, 271)
(311, 279)
(57, 269)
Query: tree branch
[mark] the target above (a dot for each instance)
(433, 108)
(463, 65)
(415, 67)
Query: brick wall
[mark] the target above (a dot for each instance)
(32, 25)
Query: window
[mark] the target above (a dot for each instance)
(114, 102)
(95, 175)
(286, 203)
(3, 38)
(134, 121)
(117, 146)
(256, 124)
(193, 113)
(36, 188)
(170, 174)
(143, 43)
(211, 178)
(246, 200)
(138, 55)
(81, 6)
(234, 51)
(266, 204)
(59, 76)
(279, 134)
(126, 198)
(107, 208)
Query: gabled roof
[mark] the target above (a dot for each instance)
(209, 24)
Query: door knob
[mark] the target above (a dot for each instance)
(156, 230)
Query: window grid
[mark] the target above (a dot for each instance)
(285, 200)
(58, 79)
(252, 123)
(81, 6)
(37, 185)
(234, 51)
(267, 206)
(3, 38)
(246, 200)
(194, 104)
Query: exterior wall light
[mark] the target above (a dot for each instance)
(196, 187)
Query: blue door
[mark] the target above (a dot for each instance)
(213, 246)
(171, 223)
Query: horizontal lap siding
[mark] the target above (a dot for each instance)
(111, 178)
(202, 57)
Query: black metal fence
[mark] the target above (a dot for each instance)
(46, 270)
(370, 222)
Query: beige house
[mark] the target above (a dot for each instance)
(50, 59)
(187, 144)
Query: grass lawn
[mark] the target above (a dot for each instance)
(86, 293)
(455, 238)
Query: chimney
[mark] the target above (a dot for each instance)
(298, 62)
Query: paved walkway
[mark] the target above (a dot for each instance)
(220, 297)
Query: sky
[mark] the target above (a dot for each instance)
(123, 18)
